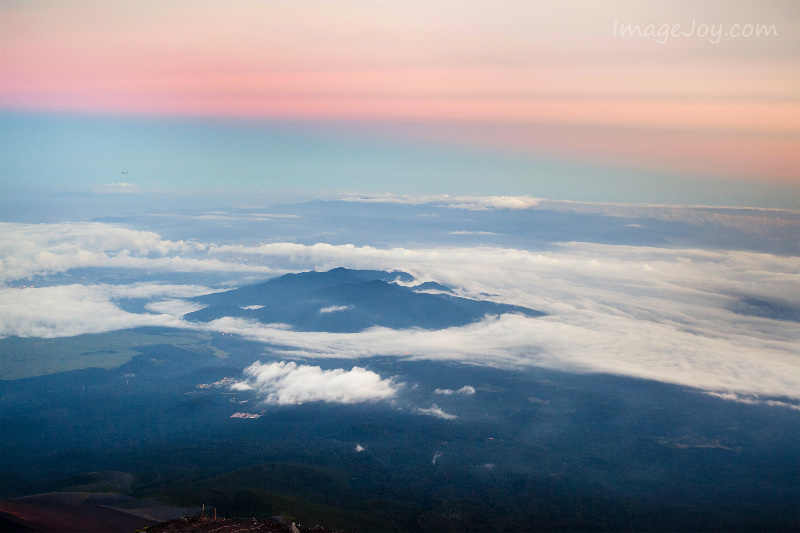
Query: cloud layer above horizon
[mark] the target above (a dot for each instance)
(721, 321)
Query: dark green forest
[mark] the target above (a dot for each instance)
(531, 450)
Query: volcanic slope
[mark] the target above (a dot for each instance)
(343, 300)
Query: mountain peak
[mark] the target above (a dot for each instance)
(345, 300)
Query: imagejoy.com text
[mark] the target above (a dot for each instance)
(714, 33)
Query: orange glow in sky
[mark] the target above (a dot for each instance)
(500, 75)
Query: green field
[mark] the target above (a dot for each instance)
(30, 357)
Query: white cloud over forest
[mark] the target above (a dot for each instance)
(335, 309)
(435, 411)
(287, 383)
(466, 390)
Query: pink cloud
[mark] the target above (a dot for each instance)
(729, 110)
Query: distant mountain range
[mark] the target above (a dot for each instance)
(344, 300)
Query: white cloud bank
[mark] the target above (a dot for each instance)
(656, 313)
(289, 383)
(69, 310)
(28, 250)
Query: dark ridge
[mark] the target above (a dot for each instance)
(292, 285)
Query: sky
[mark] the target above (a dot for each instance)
(647, 101)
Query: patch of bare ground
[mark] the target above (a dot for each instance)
(57, 512)
(208, 524)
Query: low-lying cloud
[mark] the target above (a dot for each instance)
(287, 383)
(29, 250)
(174, 307)
(473, 203)
(116, 188)
(466, 390)
(335, 309)
(435, 411)
(69, 310)
(226, 216)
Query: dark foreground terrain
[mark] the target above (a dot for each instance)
(529, 450)
(231, 525)
(68, 512)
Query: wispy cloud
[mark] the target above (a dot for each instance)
(173, 307)
(224, 215)
(435, 411)
(335, 309)
(287, 383)
(769, 224)
(752, 400)
(116, 188)
(473, 203)
(466, 390)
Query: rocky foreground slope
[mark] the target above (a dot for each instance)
(231, 525)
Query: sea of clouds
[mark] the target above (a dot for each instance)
(668, 314)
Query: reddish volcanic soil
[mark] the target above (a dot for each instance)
(75, 512)
(66, 517)
(231, 525)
